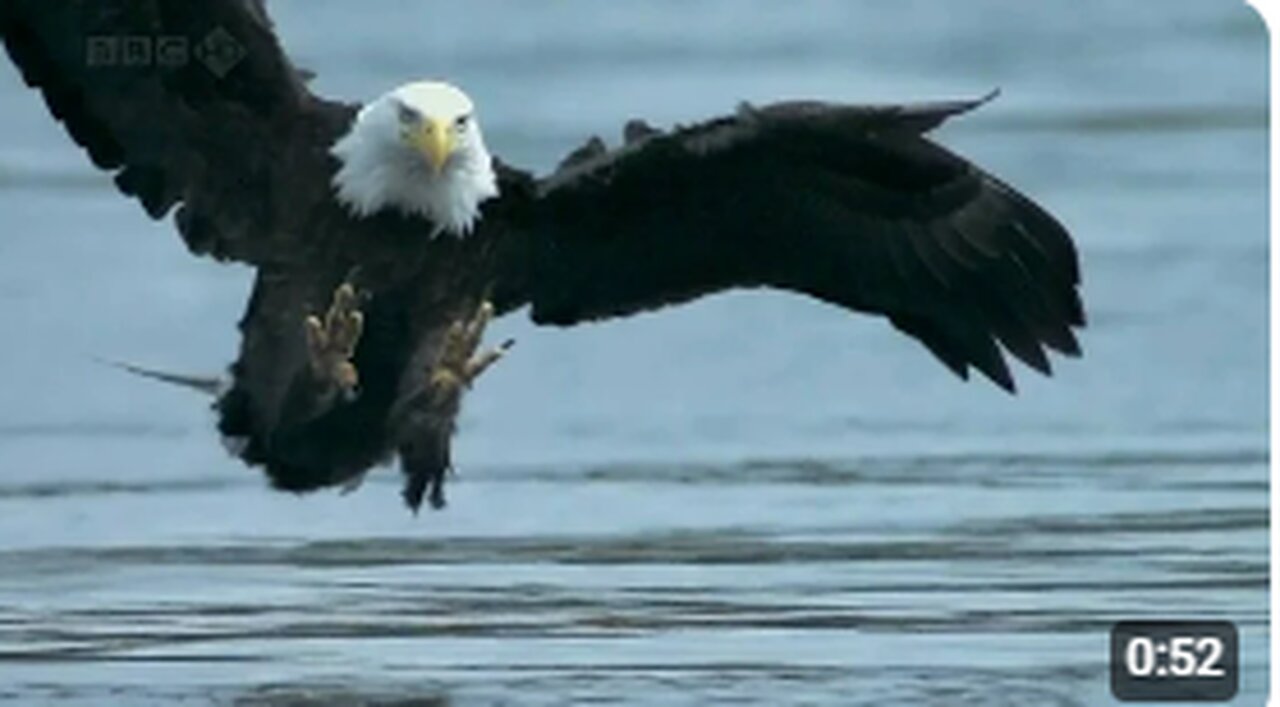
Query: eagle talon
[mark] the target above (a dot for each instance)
(331, 341)
(460, 365)
(480, 363)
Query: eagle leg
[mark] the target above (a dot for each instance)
(425, 455)
(331, 341)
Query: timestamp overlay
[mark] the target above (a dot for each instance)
(1190, 661)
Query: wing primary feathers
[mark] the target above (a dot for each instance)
(926, 247)
(185, 133)
(854, 205)
(935, 340)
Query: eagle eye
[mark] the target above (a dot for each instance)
(461, 121)
(407, 114)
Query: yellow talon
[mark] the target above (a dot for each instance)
(332, 341)
(459, 365)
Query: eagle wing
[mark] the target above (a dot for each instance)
(853, 205)
(186, 103)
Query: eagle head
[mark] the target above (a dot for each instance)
(418, 150)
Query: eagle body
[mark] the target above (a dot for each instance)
(415, 282)
(385, 235)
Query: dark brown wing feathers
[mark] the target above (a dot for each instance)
(853, 205)
(188, 130)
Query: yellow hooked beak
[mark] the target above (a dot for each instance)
(436, 141)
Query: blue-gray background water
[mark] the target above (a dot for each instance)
(755, 498)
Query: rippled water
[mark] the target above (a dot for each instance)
(754, 499)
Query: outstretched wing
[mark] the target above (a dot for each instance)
(189, 103)
(852, 205)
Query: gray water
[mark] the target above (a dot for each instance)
(754, 499)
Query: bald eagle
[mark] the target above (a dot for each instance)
(385, 236)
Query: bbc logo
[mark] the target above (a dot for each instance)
(218, 51)
(138, 52)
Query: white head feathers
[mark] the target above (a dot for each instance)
(419, 150)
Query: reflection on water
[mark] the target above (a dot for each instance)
(754, 499)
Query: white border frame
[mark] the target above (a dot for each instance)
(1270, 11)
